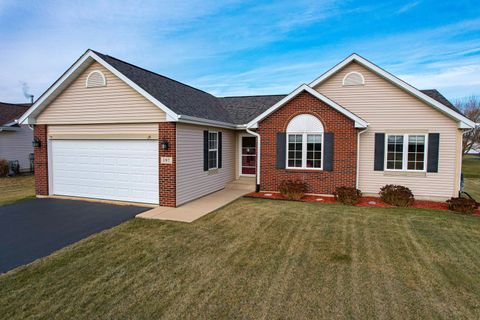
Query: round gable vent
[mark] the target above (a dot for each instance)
(353, 79)
(96, 79)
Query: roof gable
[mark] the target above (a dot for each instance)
(359, 122)
(452, 113)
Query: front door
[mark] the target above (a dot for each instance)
(249, 155)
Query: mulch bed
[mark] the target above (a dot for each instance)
(375, 202)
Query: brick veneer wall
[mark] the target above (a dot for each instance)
(41, 161)
(344, 146)
(167, 172)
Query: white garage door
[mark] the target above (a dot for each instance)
(125, 170)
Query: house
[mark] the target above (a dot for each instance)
(15, 139)
(111, 130)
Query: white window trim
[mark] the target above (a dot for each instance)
(304, 150)
(350, 85)
(405, 152)
(96, 71)
(215, 149)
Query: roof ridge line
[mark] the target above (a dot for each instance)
(255, 95)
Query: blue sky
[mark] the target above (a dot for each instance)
(243, 47)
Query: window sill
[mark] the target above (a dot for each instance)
(303, 170)
(404, 174)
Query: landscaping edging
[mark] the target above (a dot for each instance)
(374, 202)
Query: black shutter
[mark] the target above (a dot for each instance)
(205, 150)
(328, 151)
(432, 157)
(219, 150)
(379, 152)
(281, 149)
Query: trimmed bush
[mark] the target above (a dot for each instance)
(347, 195)
(293, 189)
(3, 168)
(462, 205)
(396, 195)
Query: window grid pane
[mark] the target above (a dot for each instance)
(295, 150)
(212, 150)
(314, 150)
(395, 152)
(416, 152)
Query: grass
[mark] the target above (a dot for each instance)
(261, 259)
(471, 173)
(16, 189)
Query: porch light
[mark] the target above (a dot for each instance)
(164, 144)
(36, 142)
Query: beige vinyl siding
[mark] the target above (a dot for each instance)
(192, 181)
(114, 103)
(17, 145)
(389, 109)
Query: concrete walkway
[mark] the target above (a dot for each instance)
(198, 208)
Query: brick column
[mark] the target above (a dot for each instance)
(167, 172)
(41, 160)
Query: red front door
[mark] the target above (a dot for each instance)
(249, 155)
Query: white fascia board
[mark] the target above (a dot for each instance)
(205, 122)
(171, 116)
(359, 122)
(402, 84)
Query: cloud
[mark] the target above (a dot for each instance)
(407, 7)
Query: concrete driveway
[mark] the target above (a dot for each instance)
(33, 229)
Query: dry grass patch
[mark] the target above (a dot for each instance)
(261, 259)
(16, 188)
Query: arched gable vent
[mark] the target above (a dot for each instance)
(353, 79)
(95, 79)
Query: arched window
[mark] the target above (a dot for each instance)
(305, 142)
(353, 79)
(95, 79)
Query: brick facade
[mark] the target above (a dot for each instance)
(41, 161)
(344, 146)
(167, 172)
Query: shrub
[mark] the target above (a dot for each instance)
(347, 195)
(462, 205)
(3, 168)
(293, 189)
(396, 195)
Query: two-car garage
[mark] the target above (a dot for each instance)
(125, 170)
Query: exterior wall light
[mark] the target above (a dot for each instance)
(164, 144)
(36, 142)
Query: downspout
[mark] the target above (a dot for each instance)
(358, 157)
(257, 175)
(460, 189)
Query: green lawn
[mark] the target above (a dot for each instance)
(16, 189)
(261, 259)
(471, 173)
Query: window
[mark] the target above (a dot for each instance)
(212, 150)
(406, 152)
(304, 142)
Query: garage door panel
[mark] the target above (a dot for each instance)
(124, 170)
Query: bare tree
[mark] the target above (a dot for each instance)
(471, 109)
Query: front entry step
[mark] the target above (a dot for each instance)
(243, 183)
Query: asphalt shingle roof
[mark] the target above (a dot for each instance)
(436, 95)
(189, 101)
(180, 98)
(12, 111)
(245, 108)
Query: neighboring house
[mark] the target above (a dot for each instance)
(15, 140)
(111, 130)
